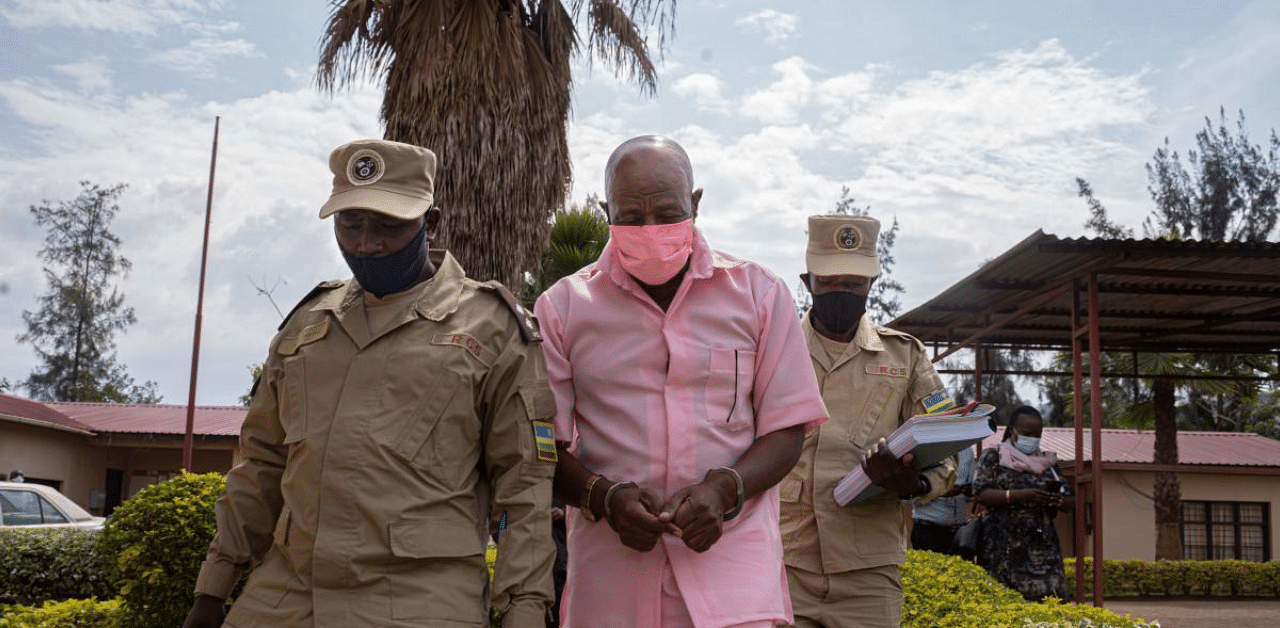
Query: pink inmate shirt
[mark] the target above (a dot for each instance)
(659, 398)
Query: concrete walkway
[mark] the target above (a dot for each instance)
(1202, 612)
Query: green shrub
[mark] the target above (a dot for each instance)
(1201, 578)
(40, 564)
(948, 592)
(154, 544)
(65, 614)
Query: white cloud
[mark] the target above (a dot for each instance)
(775, 25)
(91, 74)
(841, 95)
(1031, 108)
(272, 176)
(703, 89)
(136, 17)
(779, 103)
(996, 145)
(200, 56)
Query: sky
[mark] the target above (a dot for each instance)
(967, 123)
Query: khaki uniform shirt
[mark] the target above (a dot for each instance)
(375, 463)
(881, 379)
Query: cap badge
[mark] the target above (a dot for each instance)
(848, 238)
(365, 167)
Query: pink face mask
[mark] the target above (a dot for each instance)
(653, 254)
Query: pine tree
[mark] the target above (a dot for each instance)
(73, 331)
(1230, 194)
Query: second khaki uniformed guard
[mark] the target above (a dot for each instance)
(400, 417)
(842, 562)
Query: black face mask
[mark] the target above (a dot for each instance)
(839, 311)
(389, 274)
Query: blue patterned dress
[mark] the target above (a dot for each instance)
(1020, 542)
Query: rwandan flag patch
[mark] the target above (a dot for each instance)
(544, 434)
(938, 402)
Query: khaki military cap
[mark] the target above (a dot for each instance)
(386, 177)
(843, 245)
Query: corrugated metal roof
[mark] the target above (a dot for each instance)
(1154, 295)
(154, 419)
(27, 410)
(1132, 446)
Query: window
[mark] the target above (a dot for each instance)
(1225, 530)
(21, 507)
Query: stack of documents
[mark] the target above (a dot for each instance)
(930, 438)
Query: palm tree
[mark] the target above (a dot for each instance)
(486, 85)
(1154, 407)
(578, 235)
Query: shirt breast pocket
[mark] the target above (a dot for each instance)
(291, 378)
(440, 433)
(728, 388)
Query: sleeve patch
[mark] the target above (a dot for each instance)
(544, 434)
(938, 402)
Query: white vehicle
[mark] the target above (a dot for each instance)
(28, 505)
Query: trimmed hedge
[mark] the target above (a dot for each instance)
(41, 564)
(154, 544)
(948, 592)
(1199, 578)
(66, 614)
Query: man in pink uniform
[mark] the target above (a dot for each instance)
(683, 395)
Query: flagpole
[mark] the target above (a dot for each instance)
(188, 439)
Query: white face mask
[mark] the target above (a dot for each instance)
(1026, 444)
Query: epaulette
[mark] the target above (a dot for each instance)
(323, 286)
(900, 335)
(528, 324)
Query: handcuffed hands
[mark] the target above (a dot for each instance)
(635, 518)
(697, 511)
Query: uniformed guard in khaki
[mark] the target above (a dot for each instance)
(381, 448)
(850, 555)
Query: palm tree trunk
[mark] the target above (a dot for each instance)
(1167, 489)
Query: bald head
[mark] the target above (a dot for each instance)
(649, 147)
(649, 180)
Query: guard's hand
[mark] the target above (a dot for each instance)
(899, 476)
(206, 612)
(698, 511)
(635, 518)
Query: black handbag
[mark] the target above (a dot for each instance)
(968, 538)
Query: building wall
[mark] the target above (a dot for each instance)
(48, 454)
(1129, 516)
(80, 462)
(147, 461)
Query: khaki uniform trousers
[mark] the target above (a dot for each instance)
(861, 598)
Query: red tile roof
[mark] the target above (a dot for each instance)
(154, 419)
(1194, 448)
(27, 410)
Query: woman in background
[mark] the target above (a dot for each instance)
(1022, 491)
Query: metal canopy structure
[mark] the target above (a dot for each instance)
(1156, 295)
(1082, 294)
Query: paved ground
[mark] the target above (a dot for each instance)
(1202, 613)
